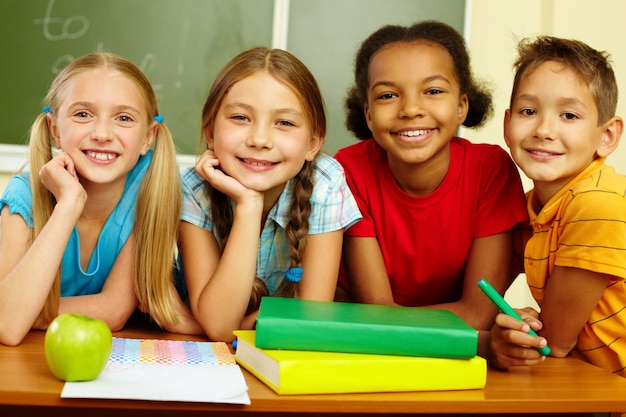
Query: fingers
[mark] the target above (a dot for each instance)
(523, 339)
(515, 356)
(60, 178)
(208, 168)
(61, 162)
(206, 165)
(531, 316)
(511, 345)
(528, 313)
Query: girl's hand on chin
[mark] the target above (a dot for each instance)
(59, 177)
(208, 168)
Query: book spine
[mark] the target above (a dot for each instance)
(334, 336)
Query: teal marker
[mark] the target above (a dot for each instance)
(506, 308)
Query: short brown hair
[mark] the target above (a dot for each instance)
(592, 66)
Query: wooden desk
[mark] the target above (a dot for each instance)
(558, 386)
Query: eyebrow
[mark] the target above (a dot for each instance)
(118, 108)
(428, 79)
(287, 110)
(237, 104)
(562, 101)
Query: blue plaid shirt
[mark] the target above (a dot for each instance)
(333, 207)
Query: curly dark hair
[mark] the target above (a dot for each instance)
(479, 97)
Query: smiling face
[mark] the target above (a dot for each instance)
(261, 135)
(102, 123)
(414, 104)
(552, 127)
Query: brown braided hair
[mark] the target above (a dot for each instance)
(290, 71)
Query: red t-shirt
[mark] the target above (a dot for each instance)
(425, 240)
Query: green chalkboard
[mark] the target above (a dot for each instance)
(180, 45)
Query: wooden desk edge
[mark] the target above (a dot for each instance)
(501, 392)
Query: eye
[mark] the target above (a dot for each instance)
(434, 91)
(387, 96)
(285, 123)
(569, 116)
(81, 114)
(239, 117)
(527, 112)
(125, 118)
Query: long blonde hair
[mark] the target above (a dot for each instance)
(159, 199)
(290, 71)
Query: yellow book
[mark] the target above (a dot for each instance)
(309, 372)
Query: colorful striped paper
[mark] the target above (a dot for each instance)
(170, 352)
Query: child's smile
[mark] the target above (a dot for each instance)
(552, 128)
(413, 114)
(261, 135)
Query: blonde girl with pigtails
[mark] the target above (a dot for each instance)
(264, 210)
(92, 228)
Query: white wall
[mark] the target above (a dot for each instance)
(495, 27)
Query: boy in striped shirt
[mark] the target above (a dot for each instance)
(560, 127)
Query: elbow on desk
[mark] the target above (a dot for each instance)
(116, 322)
(557, 352)
(215, 329)
(220, 335)
(560, 351)
(12, 337)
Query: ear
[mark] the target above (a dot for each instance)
(611, 135)
(208, 136)
(54, 130)
(315, 144)
(507, 120)
(150, 136)
(462, 108)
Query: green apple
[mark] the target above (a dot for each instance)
(77, 347)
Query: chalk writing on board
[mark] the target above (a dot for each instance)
(72, 27)
(181, 65)
(57, 29)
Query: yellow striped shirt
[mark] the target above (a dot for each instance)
(584, 226)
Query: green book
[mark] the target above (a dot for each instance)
(294, 324)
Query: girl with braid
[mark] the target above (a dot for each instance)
(263, 210)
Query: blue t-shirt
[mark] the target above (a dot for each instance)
(114, 234)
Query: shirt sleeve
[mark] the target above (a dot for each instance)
(18, 196)
(595, 234)
(502, 203)
(358, 179)
(333, 204)
(196, 203)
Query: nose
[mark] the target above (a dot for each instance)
(260, 136)
(544, 128)
(411, 106)
(102, 129)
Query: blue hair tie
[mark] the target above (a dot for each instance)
(158, 118)
(47, 109)
(294, 274)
